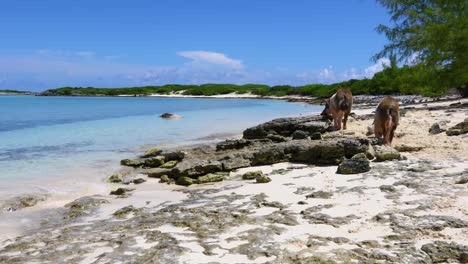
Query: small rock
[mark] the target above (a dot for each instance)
(463, 180)
(252, 175)
(387, 188)
(131, 163)
(370, 130)
(211, 177)
(302, 202)
(407, 148)
(139, 181)
(121, 191)
(316, 136)
(185, 181)
(357, 164)
(299, 134)
(320, 195)
(154, 162)
(164, 179)
(169, 165)
(115, 178)
(458, 129)
(383, 153)
(157, 172)
(435, 129)
(151, 153)
(262, 179)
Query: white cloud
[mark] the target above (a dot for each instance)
(45, 69)
(378, 66)
(211, 58)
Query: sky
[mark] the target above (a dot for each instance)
(113, 43)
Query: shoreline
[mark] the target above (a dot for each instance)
(441, 160)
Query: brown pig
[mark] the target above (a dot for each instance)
(387, 118)
(337, 106)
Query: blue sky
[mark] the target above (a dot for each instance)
(112, 43)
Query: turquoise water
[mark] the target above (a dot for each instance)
(45, 138)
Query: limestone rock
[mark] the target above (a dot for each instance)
(458, 129)
(211, 177)
(299, 134)
(169, 165)
(185, 181)
(252, 175)
(436, 129)
(357, 164)
(262, 179)
(383, 153)
(151, 153)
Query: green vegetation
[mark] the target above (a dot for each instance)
(392, 80)
(433, 33)
(14, 92)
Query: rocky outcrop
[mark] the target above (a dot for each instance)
(458, 129)
(287, 126)
(443, 252)
(265, 144)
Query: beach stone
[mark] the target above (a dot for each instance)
(131, 163)
(233, 144)
(443, 252)
(157, 172)
(436, 129)
(165, 179)
(169, 165)
(316, 136)
(115, 178)
(120, 191)
(184, 181)
(262, 179)
(320, 195)
(462, 180)
(86, 202)
(299, 134)
(174, 155)
(211, 177)
(154, 162)
(458, 129)
(252, 175)
(357, 164)
(407, 148)
(151, 153)
(370, 130)
(384, 153)
(139, 181)
(370, 153)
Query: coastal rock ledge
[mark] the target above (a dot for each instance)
(260, 146)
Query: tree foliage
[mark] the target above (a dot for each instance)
(432, 33)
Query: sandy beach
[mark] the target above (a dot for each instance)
(411, 210)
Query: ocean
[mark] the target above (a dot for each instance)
(65, 144)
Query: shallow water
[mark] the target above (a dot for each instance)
(65, 144)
